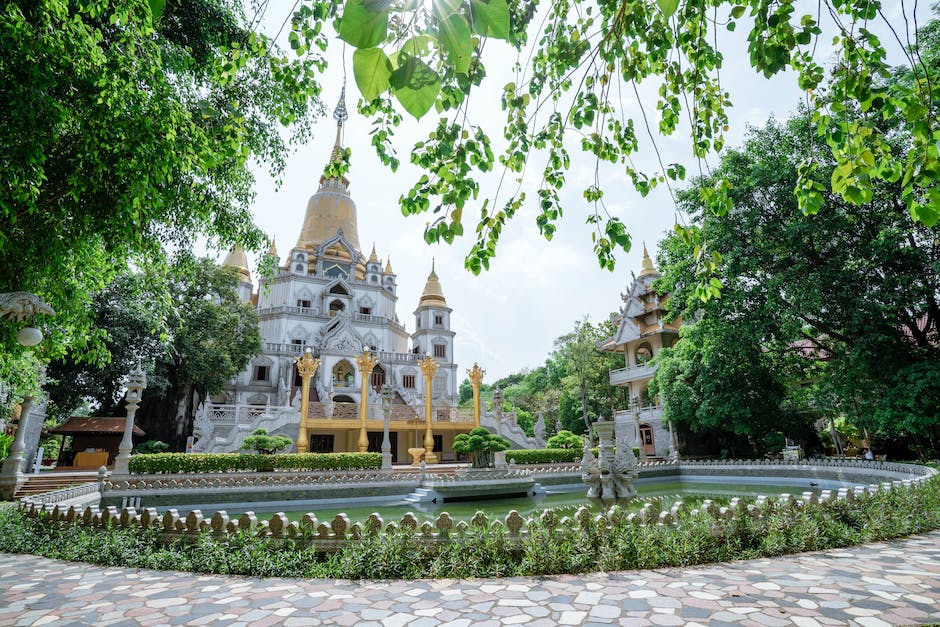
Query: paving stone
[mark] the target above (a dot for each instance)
(871, 586)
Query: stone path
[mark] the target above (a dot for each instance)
(891, 583)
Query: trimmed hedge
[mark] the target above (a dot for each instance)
(544, 455)
(228, 462)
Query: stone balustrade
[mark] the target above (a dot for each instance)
(335, 534)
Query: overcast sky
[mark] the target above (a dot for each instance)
(507, 318)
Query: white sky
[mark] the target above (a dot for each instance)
(507, 318)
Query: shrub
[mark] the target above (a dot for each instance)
(228, 462)
(564, 439)
(152, 446)
(480, 444)
(544, 455)
(265, 444)
(6, 441)
(616, 543)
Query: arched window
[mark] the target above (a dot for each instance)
(643, 353)
(336, 306)
(378, 377)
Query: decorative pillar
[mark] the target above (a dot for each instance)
(387, 395)
(366, 363)
(635, 403)
(136, 384)
(12, 475)
(428, 368)
(307, 367)
(476, 375)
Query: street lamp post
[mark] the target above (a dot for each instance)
(428, 368)
(136, 384)
(476, 375)
(387, 396)
(366, 363)
(307, 367)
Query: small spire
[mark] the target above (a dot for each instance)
(433, 294)
(272, 250)
(648, 267)
(433, 273)
(388, 266)
(373, 256)
(339, 113)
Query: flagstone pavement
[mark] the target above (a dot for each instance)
(888, 583)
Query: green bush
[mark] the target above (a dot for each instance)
(488, 551)
(152, 446)
(566, 440)
(6, 441)
(480, 444)
(229, 462)
(260, 441)
(544, 455)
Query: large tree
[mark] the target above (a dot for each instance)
(587, 76)
(128, 127)
(188, 355)
(844, 300)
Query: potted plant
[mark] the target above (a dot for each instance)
(480, 445)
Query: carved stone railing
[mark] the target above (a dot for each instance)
(92, 490)
(621, 376)
(339, 532)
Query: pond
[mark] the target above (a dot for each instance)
(565, 503)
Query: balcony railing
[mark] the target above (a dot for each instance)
(622, 376)
(398, 414)
(313, 312)
(646, 413)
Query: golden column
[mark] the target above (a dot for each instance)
(476, 375)
(366, 363)
(307, 367)
(428, 368)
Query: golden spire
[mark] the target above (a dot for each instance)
(272, 250)
(373, 256)
(433, 294)
(388, 266)
(340, 115)
(648, 267)
(331, 208)
(237, 259)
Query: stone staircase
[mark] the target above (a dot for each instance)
(422, 495)
(49, 481)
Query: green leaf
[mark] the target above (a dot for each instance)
(456, 42)
(361, 27)
(372, 70)
(156, 8)
(491, 18)
(416, 86)
(668, 7)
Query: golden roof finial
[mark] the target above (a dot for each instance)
(648, 267)
(388, 266)
(433, 294)
(373, 256)
(272, 249)
(237, 259)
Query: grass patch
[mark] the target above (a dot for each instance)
(548, 548)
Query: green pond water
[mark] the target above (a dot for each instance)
(564, 503)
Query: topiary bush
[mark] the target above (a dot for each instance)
(480, 444)
(564, 439)
(168, 463)
(152, 446)
(260, 441)
(544, 455)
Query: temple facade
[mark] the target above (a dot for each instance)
(341, 304)
(641, 333)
